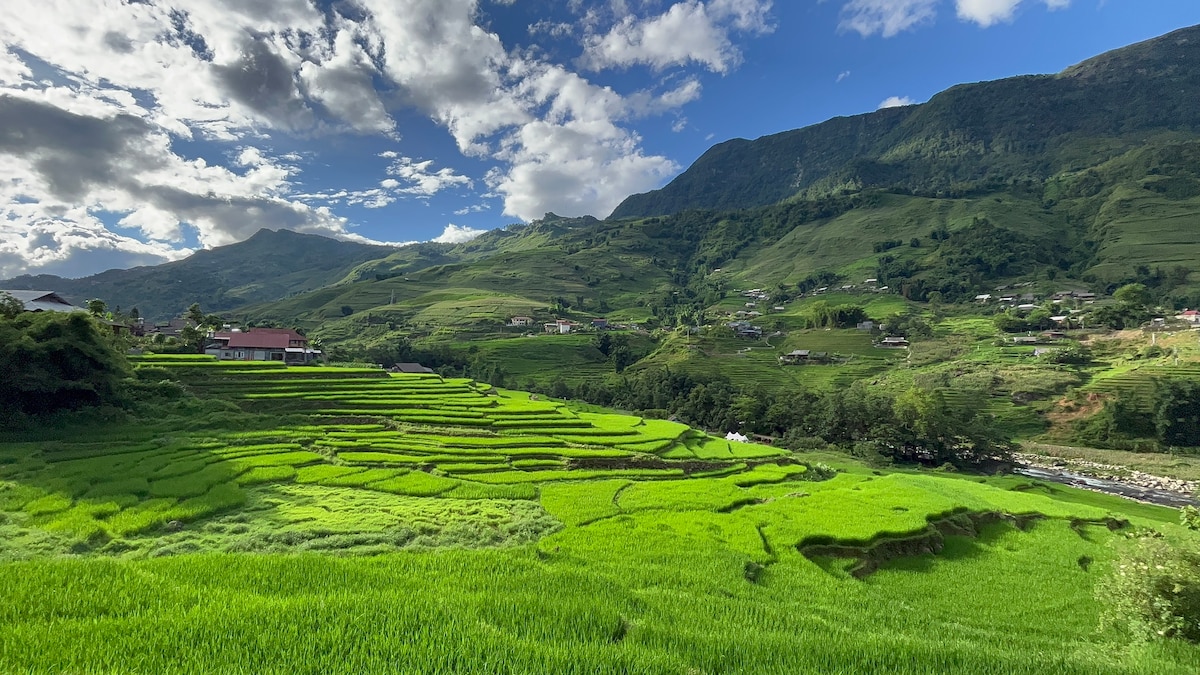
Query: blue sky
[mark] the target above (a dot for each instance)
(138, 132)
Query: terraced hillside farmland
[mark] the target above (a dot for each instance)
(409, 523)
(1136, 385)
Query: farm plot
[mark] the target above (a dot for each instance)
(1137, 386)
(606, 544)
(407, 435)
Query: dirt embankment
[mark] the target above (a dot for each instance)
(930, 541)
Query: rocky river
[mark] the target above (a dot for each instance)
(1113, 480)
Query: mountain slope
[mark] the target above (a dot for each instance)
(269, 265)
(967, 138)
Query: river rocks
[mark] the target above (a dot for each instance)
(1109, 472)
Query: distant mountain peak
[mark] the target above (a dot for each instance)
(967, 137)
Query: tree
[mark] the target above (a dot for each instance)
(603, 342)
(10, 307)
(97, 307)
(1133, 296)
(195, 315)
(55, 361)
(620, 353)
(1177, 413)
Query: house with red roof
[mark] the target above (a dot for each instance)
(1191, 316)
(262, 344)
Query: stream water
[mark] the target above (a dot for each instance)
(1112, 487)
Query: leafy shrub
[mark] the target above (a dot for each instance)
(1189, 517)
(152, 374)
(795, 440)
(1154, 590)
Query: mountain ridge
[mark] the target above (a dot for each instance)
(269, 265)
(966, 137)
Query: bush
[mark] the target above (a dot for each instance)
(1153, 590)
(794, 439)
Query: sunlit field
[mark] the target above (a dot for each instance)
(340, 520)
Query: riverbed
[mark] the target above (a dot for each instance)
(1141, 493)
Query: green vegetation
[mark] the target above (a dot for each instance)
(55, 361)
(448, 523)
(568, 548)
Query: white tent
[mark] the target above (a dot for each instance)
(735, 436)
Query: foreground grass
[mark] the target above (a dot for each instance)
(315, 541)
(665, 608)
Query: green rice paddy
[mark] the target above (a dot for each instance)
(305, 520)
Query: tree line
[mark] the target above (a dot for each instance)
(911, 426)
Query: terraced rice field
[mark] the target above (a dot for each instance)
(400, 434)
(1137, 385)
(598, 543)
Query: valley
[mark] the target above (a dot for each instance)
(457, 509)
(912, 391)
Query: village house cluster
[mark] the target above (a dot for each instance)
(559, 326)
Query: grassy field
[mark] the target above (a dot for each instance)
(419, 524)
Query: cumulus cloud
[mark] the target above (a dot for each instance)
(896, 102)
(417, 179)
(412, 178)
(64, 166)
(109, 144)
(688, 32)
(457, 234)
(989, 12)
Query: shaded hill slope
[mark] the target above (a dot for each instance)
(269, 265)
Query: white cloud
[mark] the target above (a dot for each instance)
(412, 178)
(842, 75)
(891, 17)
(457, 234)
(79, 155)
(896, 102)
(12, 69)
(99, 143)
(990, 12)
(688, 32)
(74, 244)
(986, 12)
(886, 17)
(473, 208)
(649, 103)
(343, 84)
(419, 180)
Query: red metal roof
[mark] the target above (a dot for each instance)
(261, 338)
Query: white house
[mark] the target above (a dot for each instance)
(1191, 316)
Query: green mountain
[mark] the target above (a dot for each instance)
(267, 266)
(577, 264)
(969, 138)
